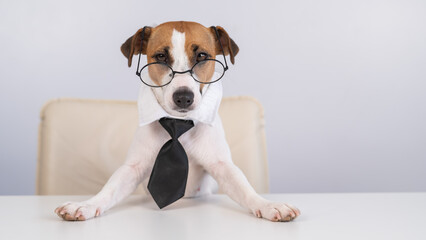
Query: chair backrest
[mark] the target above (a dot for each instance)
(82, 142)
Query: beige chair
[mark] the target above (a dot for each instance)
(82, 142)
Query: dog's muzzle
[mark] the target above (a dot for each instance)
(183, 97)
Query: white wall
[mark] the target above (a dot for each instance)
(342, 82)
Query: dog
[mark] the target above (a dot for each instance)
(180, 45)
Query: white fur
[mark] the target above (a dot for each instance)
(180, 64)
(206, 160)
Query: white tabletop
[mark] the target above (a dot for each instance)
(324, 216)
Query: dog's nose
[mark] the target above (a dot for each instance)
(183, 98)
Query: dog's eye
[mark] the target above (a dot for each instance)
(201, 56)
(160, 57)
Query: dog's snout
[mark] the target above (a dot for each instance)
(183, 98)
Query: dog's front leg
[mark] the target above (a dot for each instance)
(233, 183)
(121, 184)
(218, 163)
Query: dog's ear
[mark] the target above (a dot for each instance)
(133, 44)
(229, 46)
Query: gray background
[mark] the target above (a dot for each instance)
(342, 82)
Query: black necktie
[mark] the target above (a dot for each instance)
(168, 177)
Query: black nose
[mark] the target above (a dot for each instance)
(183, 98)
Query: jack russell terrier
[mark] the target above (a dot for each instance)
(184, 52)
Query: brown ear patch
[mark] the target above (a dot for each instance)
(133, 44)
(229, 46)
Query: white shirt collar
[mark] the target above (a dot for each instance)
(150, 110)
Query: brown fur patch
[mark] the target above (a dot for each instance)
(229, 46)
(133, 44)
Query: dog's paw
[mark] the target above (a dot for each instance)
(77, 211)
(276, 212)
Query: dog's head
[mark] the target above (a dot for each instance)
(180, 45)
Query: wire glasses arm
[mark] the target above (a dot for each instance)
(221, 47)
(140, 53)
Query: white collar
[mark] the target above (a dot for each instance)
(150, 110)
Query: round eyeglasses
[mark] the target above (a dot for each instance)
(158, 74)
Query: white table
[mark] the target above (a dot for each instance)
(324, 216)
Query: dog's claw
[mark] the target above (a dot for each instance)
(277, 216)
(98, 212)
(258, 214)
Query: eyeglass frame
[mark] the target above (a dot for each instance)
(225, 68)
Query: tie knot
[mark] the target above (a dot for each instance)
(176, 127)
